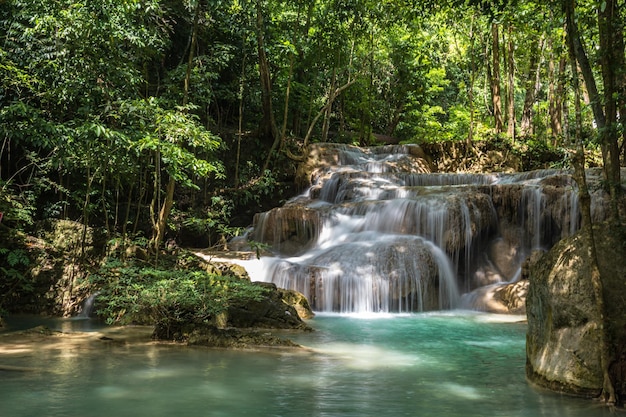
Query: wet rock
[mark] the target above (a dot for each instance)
(401, 273)
(321, 156)
(498, 298)
(563, 339)
(512, 297)
(298, 301)
(271, 312)
(232, 338)
(289, 230)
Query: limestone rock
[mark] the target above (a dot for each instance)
(513, 296)
(290, 229)
(298, 301)
(563, 337)
(323, 155)
(498, 298)
(60, 258)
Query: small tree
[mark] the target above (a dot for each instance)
(168, 138)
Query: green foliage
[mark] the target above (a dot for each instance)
(186, 148)
(91, 125)
(168, 297)
(539, 154)
(14, 265)
(15, 257)
(16, 208)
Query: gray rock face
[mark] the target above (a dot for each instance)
(563, 341)
(562, 344)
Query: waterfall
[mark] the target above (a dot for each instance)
(87, 307)
(376, 232)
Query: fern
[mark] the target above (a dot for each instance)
(17, 257)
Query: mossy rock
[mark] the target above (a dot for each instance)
(270, 312)
(232, 338)
(299, 302)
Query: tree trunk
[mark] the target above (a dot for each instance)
(608, 23)
(395, 120)
(621, 87)
(164, 213)
(267, 129)
(328, 104)
(192, 47)
(556, 88)
(583, 63)
(240, 121)
(329, 109)
(279, 139)
(283, 130)
(160, 225)
(470, 88)
(494, 80)
(300, 76)
(532, 82)
(608, 391)
(511, 84)
(90, 179)
(365, 129)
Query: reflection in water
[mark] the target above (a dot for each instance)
(437, 364)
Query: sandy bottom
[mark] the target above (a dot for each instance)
(22, 344)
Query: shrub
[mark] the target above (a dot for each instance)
(170, 299)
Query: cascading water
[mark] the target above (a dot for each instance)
(376, 232)
(88, 306)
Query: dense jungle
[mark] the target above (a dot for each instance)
(135, 132)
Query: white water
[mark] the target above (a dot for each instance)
(375, 233)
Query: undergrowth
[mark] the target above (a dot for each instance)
(169, 298)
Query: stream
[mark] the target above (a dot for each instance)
(452, 363)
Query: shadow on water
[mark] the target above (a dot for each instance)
(72, 324)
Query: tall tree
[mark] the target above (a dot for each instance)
(604, 107)
(532, 86)
(511, 120)
(267, 128)
(494, 79)
(557, 64)
(608, 391)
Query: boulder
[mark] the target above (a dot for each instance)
(298, 301)
(563, 339)
(59, 261)
(270, 312)
(501, 298)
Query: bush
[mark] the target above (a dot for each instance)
(170, 299)
(14, 282)
(540, 154)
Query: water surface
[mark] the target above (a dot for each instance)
(431, 364)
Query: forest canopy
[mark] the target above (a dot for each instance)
(143, 116)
